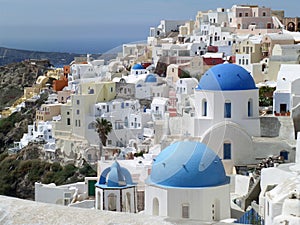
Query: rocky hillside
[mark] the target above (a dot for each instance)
(19, 172)
(15, 76)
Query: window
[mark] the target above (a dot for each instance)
(264, 14)
(185, 211)
(112, 202)
(240, 14)
(128, 202)
(246, 14)
(111, 89)
(227, 109)
(68, 113)
(68, 121)
(79, 123)
(91, 126)
(204, 107)
(78, 102)
(77, 111)
(227, 151)
(284, 154)
(250, 107)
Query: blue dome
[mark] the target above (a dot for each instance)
(115, 177)
(138, 67)
(151, 79)
(188, 164)
(226, 77)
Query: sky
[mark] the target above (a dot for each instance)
(96, 26)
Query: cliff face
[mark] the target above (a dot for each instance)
(15, 76)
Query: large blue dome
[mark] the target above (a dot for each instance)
(188, 164)
(226, 77)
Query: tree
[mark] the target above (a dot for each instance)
(103, 127)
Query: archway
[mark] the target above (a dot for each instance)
(99, 200)
(112, 202)
(155, 207)
(291, 26)
(128, 202)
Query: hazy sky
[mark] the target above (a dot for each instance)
(98, 25)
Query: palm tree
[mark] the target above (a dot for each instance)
(103, 127)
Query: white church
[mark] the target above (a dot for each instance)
(188, 181)
(225, 114)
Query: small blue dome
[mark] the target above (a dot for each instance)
(151, 79)
(114, 177)
(138, 67)
(188, 164)
(226, 77)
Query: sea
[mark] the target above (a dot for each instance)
(80, 46)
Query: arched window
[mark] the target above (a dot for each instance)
(185, 210)
(227, 150)
(99, 200)
(112, 202)
(155, 207)
(126, 121)
(204, 107)
(128, 202)
(91, 126)
(263, 67)
(227, 109)
(250, 107)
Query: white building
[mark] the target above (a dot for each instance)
(127, 119)
(226, 114)
(143, 81)
(188, 181)
(287, 93)
(186, 86)
(165, 27)
(159, 108)
(279, 200)
(39, 131)
(68, 194)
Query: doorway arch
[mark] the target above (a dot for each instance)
(155, 207)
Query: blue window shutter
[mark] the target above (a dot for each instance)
(227, 110)
(227, 151)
